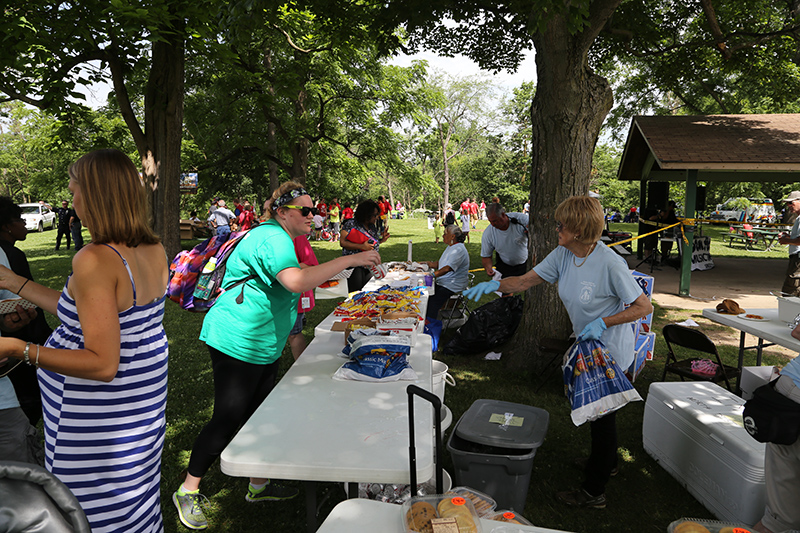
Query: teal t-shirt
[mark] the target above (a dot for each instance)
(256, 330)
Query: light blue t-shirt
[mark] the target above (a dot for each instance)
(794, 233)
(511, 244)
(8, 398)
(598, 287)
(792, 369)
(457, 258)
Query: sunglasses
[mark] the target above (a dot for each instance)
(305, 211)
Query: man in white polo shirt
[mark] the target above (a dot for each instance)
(508, 236)
(791, 284)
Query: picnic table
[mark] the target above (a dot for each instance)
(750, 237)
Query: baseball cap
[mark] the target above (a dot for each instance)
(794, 195)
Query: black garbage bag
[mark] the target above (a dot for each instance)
(487, 327)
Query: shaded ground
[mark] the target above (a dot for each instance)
(749, 281)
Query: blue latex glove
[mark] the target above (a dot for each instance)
(481, 289)
(593, 330)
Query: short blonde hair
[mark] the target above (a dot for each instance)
(284, 187)
(582, 215)
(115, 198)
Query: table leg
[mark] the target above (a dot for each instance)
(311, 505)
(758, 351)
(741, 363)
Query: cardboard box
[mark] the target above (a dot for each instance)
(755, 376)
(643, 352)
(343, 325)
(646, 283)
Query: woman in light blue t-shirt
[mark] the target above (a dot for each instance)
(451, 270)
(595, 285)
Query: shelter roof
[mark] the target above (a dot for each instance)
(721, 147)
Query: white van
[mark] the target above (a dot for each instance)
(733, 210)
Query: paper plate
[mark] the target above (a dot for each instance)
(755, 318)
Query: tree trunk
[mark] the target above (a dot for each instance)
(568, 110)
(272, 149)
(161, 157)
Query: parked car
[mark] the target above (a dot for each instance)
(745, 210)
(38, 217)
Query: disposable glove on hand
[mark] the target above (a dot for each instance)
(481, 289)
(593, 330)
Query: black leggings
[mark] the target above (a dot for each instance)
(239, 388)
(603, 457)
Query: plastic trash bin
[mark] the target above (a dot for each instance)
(493, 446)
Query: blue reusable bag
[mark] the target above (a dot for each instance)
(594, 383)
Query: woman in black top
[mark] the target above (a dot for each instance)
(26, 386)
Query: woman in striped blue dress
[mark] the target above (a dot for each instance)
(103, 372)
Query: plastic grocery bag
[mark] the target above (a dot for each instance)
(377, 359)
(487, 327)
(594, 383)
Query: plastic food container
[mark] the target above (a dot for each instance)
(435, 514)
(509, 517)
(697, 525)
(483, 503)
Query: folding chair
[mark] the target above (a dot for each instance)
(455, 311)
(692, 340)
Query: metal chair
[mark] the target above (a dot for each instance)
(692, 340)
(454, 312)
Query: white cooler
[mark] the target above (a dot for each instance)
(694, 431)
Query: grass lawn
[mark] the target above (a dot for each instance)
(642, 498)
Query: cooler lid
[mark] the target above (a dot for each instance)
(503, 424)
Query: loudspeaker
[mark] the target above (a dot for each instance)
(657, 194)
(700, 200)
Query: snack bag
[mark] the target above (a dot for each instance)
(594, 383)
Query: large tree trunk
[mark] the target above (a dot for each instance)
(161, 157)
(568, 110)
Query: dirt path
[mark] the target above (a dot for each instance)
(749, 281)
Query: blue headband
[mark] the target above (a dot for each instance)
(288, 197)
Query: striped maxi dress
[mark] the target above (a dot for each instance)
(104, 440)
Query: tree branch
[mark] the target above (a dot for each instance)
(291, 43)
(713, 24)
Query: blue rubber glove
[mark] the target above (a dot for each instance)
(481, 289)
(593, 330)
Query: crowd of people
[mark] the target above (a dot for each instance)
(99, 380)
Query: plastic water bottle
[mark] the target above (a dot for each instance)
(210, 265)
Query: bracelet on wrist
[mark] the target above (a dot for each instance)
(36, 363)
(26, 354)
(21, 286)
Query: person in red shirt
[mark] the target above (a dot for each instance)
(347, 212)
(473, 212)
(382, 222)
(322, 209)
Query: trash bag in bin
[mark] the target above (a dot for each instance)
(487, 327)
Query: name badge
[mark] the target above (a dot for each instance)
(305, 302)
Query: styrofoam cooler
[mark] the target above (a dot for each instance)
(694, 430)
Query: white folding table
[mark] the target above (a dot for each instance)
(773, 330)
(359, 516)
(314, 428)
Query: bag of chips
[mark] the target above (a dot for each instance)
(594, 383)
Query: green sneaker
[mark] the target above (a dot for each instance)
(271, 492)
(189, 510)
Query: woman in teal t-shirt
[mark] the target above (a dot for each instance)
(246, 337)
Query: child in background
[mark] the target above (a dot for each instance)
(319, 221)
(438, 229)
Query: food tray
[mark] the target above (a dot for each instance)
(483, 503)
(421, 514)
(698, 525)
(509, 517)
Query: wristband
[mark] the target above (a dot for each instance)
(26, 354)
(21, 286)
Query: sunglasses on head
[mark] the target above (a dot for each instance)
(303, 210)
